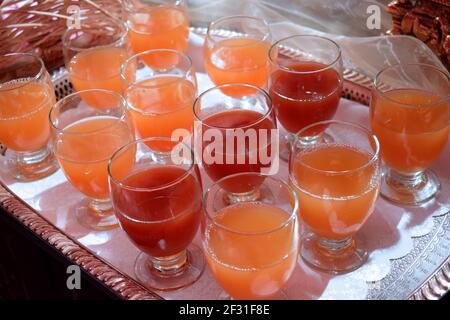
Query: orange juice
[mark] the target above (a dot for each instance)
(160, 105)
(24, 108)
(257, 259)
(84, 148)
(238, 60)
(161, 27)
(412, 127)
(97, 68)
(334, 205)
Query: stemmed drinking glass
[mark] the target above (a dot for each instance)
(93, 55)
(157, 200)
(85, 137)
(235, 134)
(251, 247)
(160, 87)
(157, 24)
(235, 51)
(410, 114)
(337, 182)
(26, 96)
(305, 83)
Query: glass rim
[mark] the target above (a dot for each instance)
(115, 43)
(216, 184)
(164, 186)
(287, 69)
(34, 78)
(259, 120)
(176, 3)
(216, 22)
(374, 158)
(376, 83)
(60, 102)
(154, 51)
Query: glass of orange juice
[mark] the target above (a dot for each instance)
(337, 179)
(160, 88)
(236, 51)
(251, 247)
(93, 55)
(161, 24)
(85, 137)
(26, 96)
(410, 114)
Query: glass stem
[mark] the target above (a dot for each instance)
(101, 206)
(35, 165)
(171, 265)
(290, 139)
(28, 158)
(407, 181)
(232, 198)
(336, 247)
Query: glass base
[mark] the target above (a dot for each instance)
(288, 140)
(262, 192)
(170, 273)
(411, 189)
(31, 166)
(232, 198)
(335, 257)
(96, 214)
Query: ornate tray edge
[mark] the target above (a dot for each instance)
(120, 284)
(436, 286)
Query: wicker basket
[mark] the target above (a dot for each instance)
(37, 25)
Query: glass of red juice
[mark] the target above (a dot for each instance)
(305, 83)
(234, 135)
(158, 202)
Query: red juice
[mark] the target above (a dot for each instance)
(300, 99)
(163, 220)
(248, 152)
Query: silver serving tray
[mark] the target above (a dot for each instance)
(421, 274)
